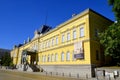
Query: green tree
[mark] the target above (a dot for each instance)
(110, 38)
(6, 60)
(116, 8)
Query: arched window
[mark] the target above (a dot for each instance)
(62, 56)
(68, 56)
(48, 58)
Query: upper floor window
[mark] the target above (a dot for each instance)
(56, 40)
(68, 36)
(68, 56)
(62, 56)
(82, 32)
(49, 43)
(52, 42)
(46, 44)
(63, 38)
(42, 45)
(74, 34)
(96, 32)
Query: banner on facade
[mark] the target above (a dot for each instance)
(79, 50)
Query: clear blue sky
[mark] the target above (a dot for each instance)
(20, 18)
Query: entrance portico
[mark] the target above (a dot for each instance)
(29, 57)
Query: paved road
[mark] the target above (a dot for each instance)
(4, 75)
(13, 75)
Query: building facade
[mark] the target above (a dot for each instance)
(72, 47)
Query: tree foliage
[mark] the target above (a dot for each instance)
(110, 38)
(6, 60)
(116, 8)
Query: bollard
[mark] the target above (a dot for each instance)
(62, 74)
(69, 74)
(56, 73)
(109, 77)
(86, 76)
(51, 73)
(46, 73)
(77, 75)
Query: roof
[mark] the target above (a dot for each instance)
(43, 29)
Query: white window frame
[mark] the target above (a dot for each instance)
(49, 59)
(74, 34)
(82, 32)
(56, 40)
(62, 56)
(63, 38)
(52, 42)
(68, 56)
(68, 36)
(49, 43)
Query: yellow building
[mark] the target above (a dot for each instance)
(72, 47)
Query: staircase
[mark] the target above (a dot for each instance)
(34, 68)
(28, 67)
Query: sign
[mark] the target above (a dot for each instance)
(80, 55)
(78, 50)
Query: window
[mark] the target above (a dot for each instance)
(96, 32)
(63, 38)
(56, 40)
(42, 58)
(97, 55)
(52, 42)
(74, 34)
(68, 36)
(56, 57)
(62, 56)
(43, 45)
(49, 43)
(49, 58)
(68, 56)
(52, 57)
(82, 32)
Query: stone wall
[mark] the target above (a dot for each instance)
(72, 70)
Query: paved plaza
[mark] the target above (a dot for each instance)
(17, 75)
(7, 74)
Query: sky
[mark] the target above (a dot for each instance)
(20, 18)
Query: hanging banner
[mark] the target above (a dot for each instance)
(79, 50)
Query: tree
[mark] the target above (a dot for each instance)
(6, 60)
(110, 38)
(116, 8)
